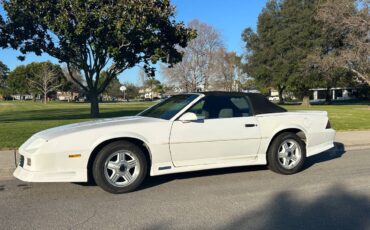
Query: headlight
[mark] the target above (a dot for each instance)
(34, 145)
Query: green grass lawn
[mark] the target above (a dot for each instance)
(342, 117)
(19, 120)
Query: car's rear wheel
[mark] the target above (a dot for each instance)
(286, 154)
(120, 167)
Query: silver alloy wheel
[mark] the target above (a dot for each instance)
(121, 168)
(289, 154)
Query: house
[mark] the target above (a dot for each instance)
(274, 95)
(339, 93)
(147, 93)
(22, 97)
(319, 94)
(67, 96)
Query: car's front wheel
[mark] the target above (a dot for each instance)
(120, 167)
(286, 154)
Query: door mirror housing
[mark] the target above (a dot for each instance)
(188, 117)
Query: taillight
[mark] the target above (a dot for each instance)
(328, 125)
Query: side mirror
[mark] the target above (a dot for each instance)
(188, 117)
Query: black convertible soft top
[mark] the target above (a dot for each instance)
(260, 104)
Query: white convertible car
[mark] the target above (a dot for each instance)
(186, 132)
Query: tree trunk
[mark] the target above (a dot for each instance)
(205, 84)
(328, 96)
(45, 98)
(281, 99)
(306, 101)
(94, 104)
(151, 90)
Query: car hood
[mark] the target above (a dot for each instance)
(91, 125)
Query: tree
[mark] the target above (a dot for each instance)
(132, 91)
(69, 84)
(286, 32)
(113, 89)
(196, 67)
(227, 70)
(154, 85)
(45, 78)
(17, 82)
(301, 34)
(35, 78)
(346, 26)
(4, 71)
(249, 84)
(96, 35)
(265, 50)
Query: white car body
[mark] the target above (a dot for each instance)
(62, 154)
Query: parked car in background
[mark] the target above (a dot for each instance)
(273, 98)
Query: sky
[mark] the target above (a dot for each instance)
(229, 18)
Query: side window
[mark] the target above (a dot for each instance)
(233, 106)
(221, 106)
(198, 110)
(242, 106)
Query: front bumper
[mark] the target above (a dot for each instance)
(49, 168)
(29, 176)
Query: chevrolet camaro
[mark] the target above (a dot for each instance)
(186, 132)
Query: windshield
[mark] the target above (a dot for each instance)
(169, 107)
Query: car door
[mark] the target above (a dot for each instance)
(225, 131)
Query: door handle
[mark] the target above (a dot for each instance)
(250, 125)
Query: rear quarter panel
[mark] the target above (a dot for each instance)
(311, 123)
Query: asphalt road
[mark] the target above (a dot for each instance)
(333, 192)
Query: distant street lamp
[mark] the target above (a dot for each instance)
(123, 89)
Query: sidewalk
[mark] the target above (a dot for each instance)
(352, 140)
(7, 164)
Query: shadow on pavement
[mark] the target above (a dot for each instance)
(158, 180)
(338, 208)
(331, 154)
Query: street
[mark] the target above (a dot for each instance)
(332, 192)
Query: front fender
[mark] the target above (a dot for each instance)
(111, 136)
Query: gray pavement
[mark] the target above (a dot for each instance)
(333, 192)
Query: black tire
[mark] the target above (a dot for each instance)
(99, 173)
(273, 161)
